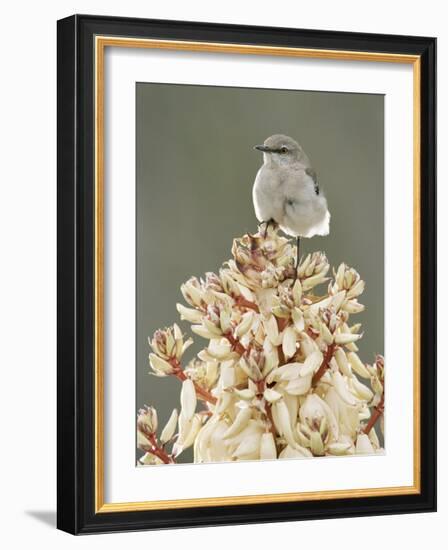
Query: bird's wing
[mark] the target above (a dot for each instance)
(312, 174)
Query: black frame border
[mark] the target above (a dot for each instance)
(75, 272)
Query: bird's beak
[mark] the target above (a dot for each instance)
(263, 148)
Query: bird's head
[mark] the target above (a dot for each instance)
(282, 150)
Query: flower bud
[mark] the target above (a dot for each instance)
(193, 292)
(159, 365)
(240, 422)
(170, 427)
(315, 411)
(363, 445)
(297, 317)
(147, 420)
(169, 344)
(188, 314)
(271, 395)
(295, 452)
(188, 398)
(346, 338)
(289, 342)
(271, 329)
(268, 450)
(282, 421)
(245, 324)
(357, 365)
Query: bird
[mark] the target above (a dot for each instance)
(286, 191)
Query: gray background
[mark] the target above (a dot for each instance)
(195, 169)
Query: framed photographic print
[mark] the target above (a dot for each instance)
(246, 260)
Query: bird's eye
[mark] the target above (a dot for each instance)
(283, 150)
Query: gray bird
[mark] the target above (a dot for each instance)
(286, 191)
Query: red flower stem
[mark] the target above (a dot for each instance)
(378, 411)
(242, 302)
(157, 451)
(325, 364)
(236, 344)
(200, 392)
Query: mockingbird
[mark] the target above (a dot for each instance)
(286, 191)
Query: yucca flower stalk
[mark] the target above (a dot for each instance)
(279, 375)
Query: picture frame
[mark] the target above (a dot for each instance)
(82, 202)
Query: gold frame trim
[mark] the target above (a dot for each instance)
(101, 42)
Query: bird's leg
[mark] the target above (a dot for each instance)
(296, 268)
(266, 227)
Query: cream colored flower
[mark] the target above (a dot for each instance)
(169, 343)
(188, 398)
(189, 428)
(149, 459)
(347, 416)
(252, 364)
(271, 330)
(363, 445)
(318, 417)
(289, 342)
(240, 422)
(209, 445)
(193, 293)
(205, 373)
(189, 314)
(282, 421)
(170, 427)
(268, 449)
(312, 270)
(279, 374)
(147, 420)
(159, 366)
(295, 452)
